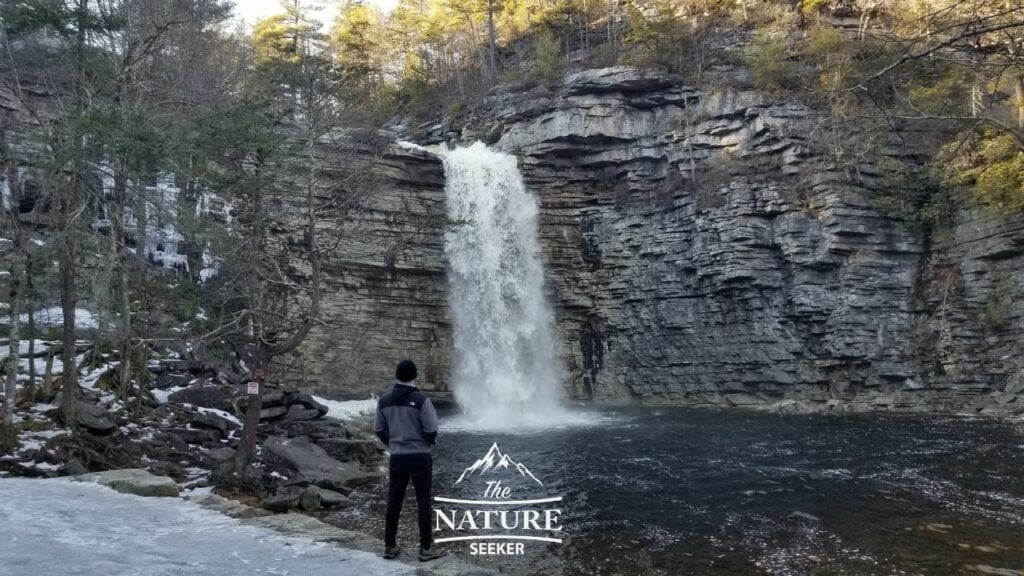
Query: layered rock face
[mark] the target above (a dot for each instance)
(702, 249)
(384, 293)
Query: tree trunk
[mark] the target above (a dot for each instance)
(247, 446)
(121, 284)
(254, 350)
(125, 375)
(1018, 89)
(584, 37)
(14, 338)
(492, 46)
(67, 260)
(140, 393)
(48, 374)
(69, 302)
(30, 386)
(141, 223)
(17, 257)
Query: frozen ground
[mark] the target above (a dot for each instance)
(62, 527)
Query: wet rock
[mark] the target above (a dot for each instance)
(164, 468)
(306, 498)
(310, 499)
(94, 417)
(74, 467)
(168, 380)
(214, 421)
(223, 454)
(273, 398)
(312, 463)
(364, 450)
(306, 401)
(174, 365)
(295, 524)
(204, 396)
(280, 503)
(133, 481)
(318, 430)
(231, 508)
(332, 499)
(273, 412)
(297, 412)
(171, 440)
(197, 436)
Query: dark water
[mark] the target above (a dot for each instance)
(676, 491)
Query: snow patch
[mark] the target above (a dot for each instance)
(225, 415)
(5, 194)
(153, 536)
(30, 443)
(54, 316)
(41, 347)
(90, 378)
(348, 409)
(162, 396)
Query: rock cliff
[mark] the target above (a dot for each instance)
(385, 295)
(701, 249)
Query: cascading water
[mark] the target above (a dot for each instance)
(506, 371)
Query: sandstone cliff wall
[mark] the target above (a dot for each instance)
(385, 293)
(702, 249)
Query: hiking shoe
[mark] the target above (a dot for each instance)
(392, 552)
(428, 555)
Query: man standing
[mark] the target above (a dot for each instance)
(407, 423)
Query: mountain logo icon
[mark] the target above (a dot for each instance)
(496, 462)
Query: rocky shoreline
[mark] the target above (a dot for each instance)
(183, 441)
(1000, 404)
(187, 426)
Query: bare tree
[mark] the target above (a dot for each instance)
(13, 228)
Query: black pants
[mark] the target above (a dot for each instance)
(403, 467)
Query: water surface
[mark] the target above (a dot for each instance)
(683, 491)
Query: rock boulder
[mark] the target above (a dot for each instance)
(312, 463)
(133, 481)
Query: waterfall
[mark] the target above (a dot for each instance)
(505, 371)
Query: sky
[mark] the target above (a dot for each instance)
(251, 10)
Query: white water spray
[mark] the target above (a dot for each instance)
(506, 370)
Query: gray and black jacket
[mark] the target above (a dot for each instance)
(406, 420)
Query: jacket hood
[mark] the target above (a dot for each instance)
(403, 390)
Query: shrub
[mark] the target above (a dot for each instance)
(940, 91)
(990, 167)
(418, 96)
(547, 65)
(1000, 185)
(672, 35)
(995, 314)
(774, 15)
(768, 58)
(912, 193)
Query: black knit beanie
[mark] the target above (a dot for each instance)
(406, 371)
